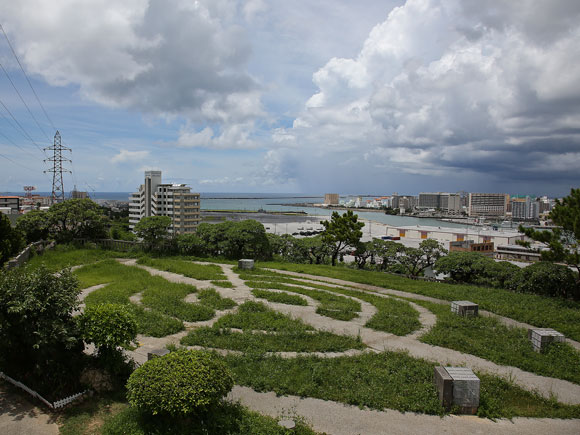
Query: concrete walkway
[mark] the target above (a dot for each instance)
(339, 419)
(20, 417)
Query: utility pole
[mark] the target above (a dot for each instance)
(57, 159)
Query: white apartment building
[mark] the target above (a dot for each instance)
(157, 199)
(488, 204)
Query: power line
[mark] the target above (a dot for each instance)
(16, 163)
(20, 125)
(24, 102)
(18, 146)
(26, 76)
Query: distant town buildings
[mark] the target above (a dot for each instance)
(331, 199)
(525, 208)
(448, 202)
(10, 204)
(488, 204)
(157, 199)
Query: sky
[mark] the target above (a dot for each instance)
(373, 96)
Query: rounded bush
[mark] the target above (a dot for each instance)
(108, 325)
(545, 278)
(179, 383)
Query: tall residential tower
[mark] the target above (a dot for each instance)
(157, 199)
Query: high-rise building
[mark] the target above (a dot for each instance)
(525, 208)
(449, 202)
(488, 204)
(331, 199)
(157, 199)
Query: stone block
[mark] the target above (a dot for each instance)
(156, 353)
(542, 337)
(444, 385)
(465, 389)
(246, 264)
(464, 308)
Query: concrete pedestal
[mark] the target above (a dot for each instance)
(458, 386)
(542, 337)
(464, 308)
(246, 264)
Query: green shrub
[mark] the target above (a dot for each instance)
(544, 278)
(108, 325)
(179, 384)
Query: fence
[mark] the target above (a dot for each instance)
(54, 405)
(20, 259)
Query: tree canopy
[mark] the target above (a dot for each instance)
(154, 230)
(11, 240)
(563, 241)
(342, 232)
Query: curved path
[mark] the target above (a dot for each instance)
(337, 418)
(399, 293)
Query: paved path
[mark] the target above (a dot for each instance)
(20, 417)
(338, 419)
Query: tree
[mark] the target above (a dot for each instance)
(154, 230)
(363, 251)
(563, 242)
(35, 225)
(547, 279)
(11, 240)
(191, 244)
(179, 384)
(318, 250)
(388, 251)
(245, 239)
(290, 248)
(76, 218)
(468, 267)
(38, 333)
(342, 232)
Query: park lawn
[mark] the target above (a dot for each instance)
(202, 272)
(163, 307)
(540, 311)
(279, 297)
(331, 305)
(487, 338)
(255, 316)
(393, 315)
(391, 380)
(284, 341)
(68, 256)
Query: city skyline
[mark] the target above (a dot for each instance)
(231, 96)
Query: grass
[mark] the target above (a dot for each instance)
(393, 316)
(112, 415)
(331, 305)
(68, 256)
(487, 338)
(255, 316)
(211, 298)
(390, 380)
(286, 341)
(279, 297)
(540, 311)
(164, 299)
(202, 272)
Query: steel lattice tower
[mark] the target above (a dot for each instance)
(57, 159)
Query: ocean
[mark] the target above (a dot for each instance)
(275, 202)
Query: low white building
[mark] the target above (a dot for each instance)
(445, 234)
